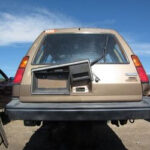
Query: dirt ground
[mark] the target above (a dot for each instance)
(77, 136)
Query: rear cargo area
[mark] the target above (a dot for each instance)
(62, 79)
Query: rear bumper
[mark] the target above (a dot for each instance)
(17, 110)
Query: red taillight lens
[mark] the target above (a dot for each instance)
(141, 72)
(18, 76)
(21, 69)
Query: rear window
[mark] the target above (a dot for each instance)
(65, 48)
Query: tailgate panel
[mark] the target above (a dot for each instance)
(114, 85)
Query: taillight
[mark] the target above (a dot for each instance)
(21, 69)
(141, 72)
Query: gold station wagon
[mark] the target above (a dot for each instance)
(80, 74)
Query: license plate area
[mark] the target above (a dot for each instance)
(55, 81)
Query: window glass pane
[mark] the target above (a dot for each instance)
(113, 53)
(65, 48)
(1, 78)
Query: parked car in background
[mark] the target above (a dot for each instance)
(149, 84)
(80, 74)
(149, 77)
(5, 89)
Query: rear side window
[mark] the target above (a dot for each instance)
(113, 52)
(66, 48)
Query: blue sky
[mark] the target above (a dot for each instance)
(22, 20)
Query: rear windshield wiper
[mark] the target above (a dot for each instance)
(96, 60)
(104, 52)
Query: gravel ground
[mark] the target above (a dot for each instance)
(77, 136)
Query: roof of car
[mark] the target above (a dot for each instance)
(82, 30)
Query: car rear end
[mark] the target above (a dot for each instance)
(80, 74)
